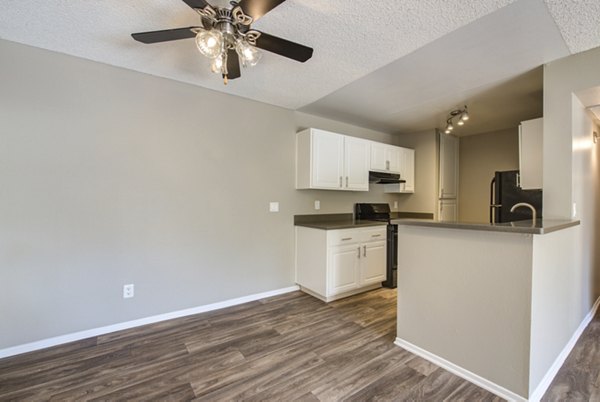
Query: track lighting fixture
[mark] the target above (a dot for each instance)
(463, 116)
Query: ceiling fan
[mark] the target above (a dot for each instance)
(226, 38)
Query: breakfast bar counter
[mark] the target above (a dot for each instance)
(487, 301)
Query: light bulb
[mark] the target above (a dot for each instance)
(217, 64)
(449, 126)
(249, 55)
(210, 43)
(447, 131)
(464, 116)
(460, 122)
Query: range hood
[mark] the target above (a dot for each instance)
(385, 178)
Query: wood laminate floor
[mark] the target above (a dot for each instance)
(288, 347)
(579, 377)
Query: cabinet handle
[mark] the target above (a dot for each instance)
(358, 251)
(377, 235)
(364, 251)
(346, 181)
(387, 165)
(347, 238)
(340, 181)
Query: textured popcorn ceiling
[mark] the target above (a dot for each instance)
(351, 39)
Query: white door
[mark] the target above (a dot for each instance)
(373, 263)
(448, 166)
(356, 164)
(344, 269)
(448, 211)
(327, 159)
(408, 169)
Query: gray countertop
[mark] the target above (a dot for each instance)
(347, 221)
(340, 224)
(540, 226)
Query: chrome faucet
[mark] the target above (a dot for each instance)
(525, 204)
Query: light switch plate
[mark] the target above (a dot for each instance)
(395, 204)
(273, 207)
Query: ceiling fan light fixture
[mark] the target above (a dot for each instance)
(210, 43)
(249, 55)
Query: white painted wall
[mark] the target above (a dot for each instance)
(109, 176)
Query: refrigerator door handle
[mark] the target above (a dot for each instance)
(492, 199)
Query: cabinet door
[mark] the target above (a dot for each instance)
(372, 263)
(394, 155)
(448, 211)
(356, 164)
(378, 157)
(448, 166)
(327, 160)
(344, 269)
(530, 153)
(408, 169)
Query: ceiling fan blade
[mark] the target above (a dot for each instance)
(165, 35)
(284, 47)
(258, 8)
(233, 65)
(196, 3)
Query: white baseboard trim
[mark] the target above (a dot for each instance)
(461, 372)
(76, 336)
(543, 386)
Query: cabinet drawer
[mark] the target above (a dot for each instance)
(344, 236)
(373, 234)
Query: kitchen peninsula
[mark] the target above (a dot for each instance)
(486, 301)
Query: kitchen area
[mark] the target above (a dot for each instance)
(472, 283)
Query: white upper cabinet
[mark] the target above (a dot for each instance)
(385, 158)
(356, 164)
(448, 186)
(407, 169)
(407, 173)
(331, 161)
(531, 137)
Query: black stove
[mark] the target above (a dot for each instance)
(382, 213)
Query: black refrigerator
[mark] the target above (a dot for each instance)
(505, 192)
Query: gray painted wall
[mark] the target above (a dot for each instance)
(480, 156)
(465, 296)
(110, 176)
(571, 163)
(426, 172)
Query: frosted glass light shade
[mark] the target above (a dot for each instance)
(249, 55)
(210, 43)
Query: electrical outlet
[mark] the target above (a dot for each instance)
(395, 204)
(317, 204)
(273, 207)
(128, 291)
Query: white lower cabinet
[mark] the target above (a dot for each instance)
(331, 264)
